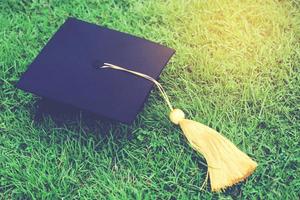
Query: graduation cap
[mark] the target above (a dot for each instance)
(111, 73)
(66, 70)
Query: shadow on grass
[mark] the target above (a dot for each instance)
(61, 113)
(64, 115)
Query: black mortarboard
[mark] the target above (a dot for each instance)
(67, 70)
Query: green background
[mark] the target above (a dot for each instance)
(236, 69)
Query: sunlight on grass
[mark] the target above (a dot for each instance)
(232, 38)
(234, 49)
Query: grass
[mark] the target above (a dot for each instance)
(237, 69)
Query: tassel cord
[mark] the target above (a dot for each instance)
(145, 76)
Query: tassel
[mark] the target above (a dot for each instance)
(227, 165)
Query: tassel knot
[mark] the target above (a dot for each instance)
(176, 116)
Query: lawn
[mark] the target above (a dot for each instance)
(236, 69)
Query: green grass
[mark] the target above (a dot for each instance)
(237, 69)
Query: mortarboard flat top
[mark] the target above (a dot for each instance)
(67, 70)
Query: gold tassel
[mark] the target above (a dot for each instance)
(227, 165)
